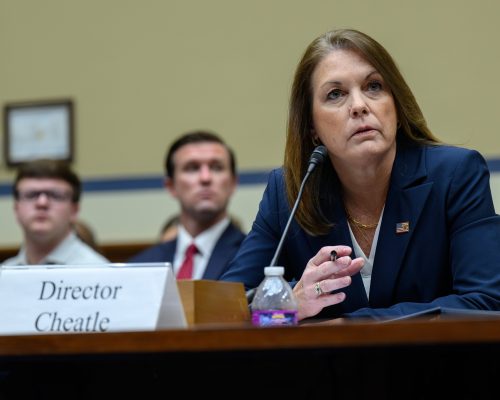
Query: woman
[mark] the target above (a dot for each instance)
(414, 217)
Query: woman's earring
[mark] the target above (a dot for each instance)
(315, 141)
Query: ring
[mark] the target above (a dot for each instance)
(317, 287)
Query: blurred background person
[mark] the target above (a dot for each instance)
(201, 174)
(169, 229)
(46, 204)
(86, 234)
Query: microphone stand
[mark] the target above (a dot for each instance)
(285, 231)
(317, 157)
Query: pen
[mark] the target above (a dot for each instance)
(333, 256)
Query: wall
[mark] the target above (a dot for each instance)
(142, 72)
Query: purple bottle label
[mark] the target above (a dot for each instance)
(274, 317)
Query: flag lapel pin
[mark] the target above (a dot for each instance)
(403, 227)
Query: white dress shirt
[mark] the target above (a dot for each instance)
(205, 243)
(366, 271)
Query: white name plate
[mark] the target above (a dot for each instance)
(81, 298)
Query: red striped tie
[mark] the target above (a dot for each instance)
(186, 270)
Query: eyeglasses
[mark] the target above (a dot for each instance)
(59, 196)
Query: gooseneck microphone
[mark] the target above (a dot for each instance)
(318, 156)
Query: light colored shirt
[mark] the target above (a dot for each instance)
(366, 271)
(70, 251)
(205, 243)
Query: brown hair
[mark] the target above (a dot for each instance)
(196, 137)
(53, 169)
(299, 140)
(86, 234)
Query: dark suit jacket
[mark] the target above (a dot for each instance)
(223, 252)
(449, 258)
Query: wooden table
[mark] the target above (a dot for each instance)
(423, 358)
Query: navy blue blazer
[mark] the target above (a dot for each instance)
(223, 252)
(450, 257)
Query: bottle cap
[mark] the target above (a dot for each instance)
(274, 271)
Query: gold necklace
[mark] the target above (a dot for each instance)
(350, 218)
(362, 237)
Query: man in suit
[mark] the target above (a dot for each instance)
(201, 174)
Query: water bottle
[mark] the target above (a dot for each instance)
(274, 302)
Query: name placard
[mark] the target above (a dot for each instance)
(81, 298)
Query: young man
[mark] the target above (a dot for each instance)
(47, 195)
(201, 175)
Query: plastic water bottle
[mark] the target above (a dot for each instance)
(274, 302)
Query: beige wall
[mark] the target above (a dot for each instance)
(143, 71)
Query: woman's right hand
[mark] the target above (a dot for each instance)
(322, 276)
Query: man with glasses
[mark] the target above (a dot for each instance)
(46, 205)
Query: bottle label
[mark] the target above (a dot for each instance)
(274, 317)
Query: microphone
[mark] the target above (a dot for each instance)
(318, 156)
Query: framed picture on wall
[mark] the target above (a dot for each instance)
(38, 129)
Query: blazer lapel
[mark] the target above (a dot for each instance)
(405, 201)
(169, 250)
(222, 253)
